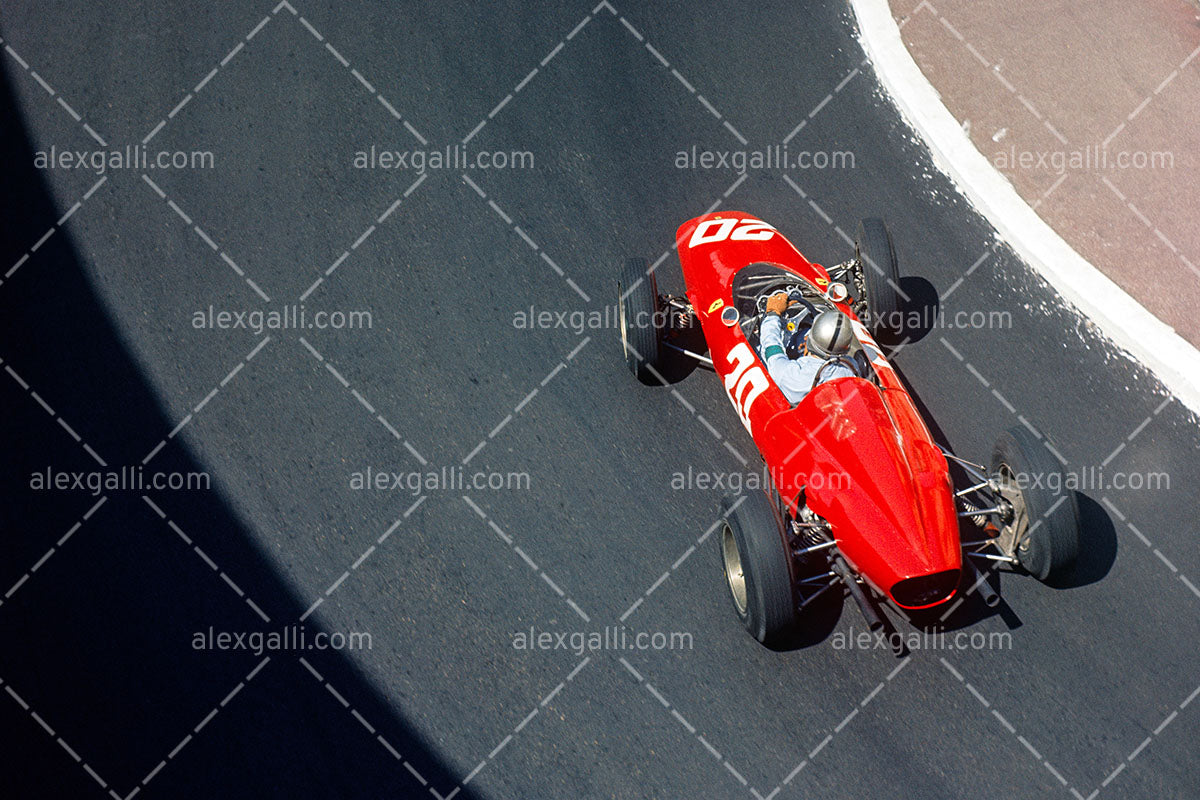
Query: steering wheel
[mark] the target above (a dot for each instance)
(794, 315)
(798, 314)
(793, 293)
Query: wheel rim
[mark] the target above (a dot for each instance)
(1014, 536)
(733, 569)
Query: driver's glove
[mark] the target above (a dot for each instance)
(778, 303)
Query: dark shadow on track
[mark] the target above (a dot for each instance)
(98, 640)
(920, 310)
(677, 366)
(816, 622)
(1097, 550)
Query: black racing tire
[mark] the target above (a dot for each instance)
(876, 254)
(1047, 542)
(766, 603)
(640, 321)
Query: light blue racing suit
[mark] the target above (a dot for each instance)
(793, 376)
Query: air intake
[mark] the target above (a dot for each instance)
(925, 590)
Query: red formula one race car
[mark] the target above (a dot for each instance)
(863, 497)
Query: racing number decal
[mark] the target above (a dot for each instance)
(745, 382)
(718, 230)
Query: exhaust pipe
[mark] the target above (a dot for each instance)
(980, 584)
(869, 611)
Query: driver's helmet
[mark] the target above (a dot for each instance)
(830, 335)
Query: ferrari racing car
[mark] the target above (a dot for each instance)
(864, 500)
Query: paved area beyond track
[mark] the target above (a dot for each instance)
(1092, 111)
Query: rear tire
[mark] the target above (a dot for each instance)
(640, 321)
(757, 569)
(1046, 539)
(876, 255)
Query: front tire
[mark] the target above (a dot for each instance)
(756, 565)
(1043, 533)
(876, 256)
(640, 321)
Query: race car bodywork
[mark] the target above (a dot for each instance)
(880, 481)
(860, 485)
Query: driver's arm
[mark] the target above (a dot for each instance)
(793, 375)
(770, 332)
(770, 336)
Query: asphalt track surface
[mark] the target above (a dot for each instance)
(105, 694)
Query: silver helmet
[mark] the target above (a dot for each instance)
(830, 335)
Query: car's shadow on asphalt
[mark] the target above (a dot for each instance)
(105, 685)
(816, 622)
(921, 307)
(1098, 550)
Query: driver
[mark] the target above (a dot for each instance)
(829, 336)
